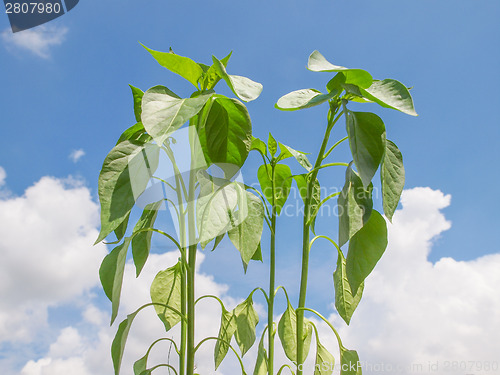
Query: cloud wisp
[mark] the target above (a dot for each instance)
(76, 155)
(38, 41)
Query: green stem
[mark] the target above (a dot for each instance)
(272, 277)
(305, 242)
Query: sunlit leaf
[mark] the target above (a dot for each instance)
(301, 99)
(246, 321)
(137, 94)
(287, 151)
(282, 184)
(390, 93)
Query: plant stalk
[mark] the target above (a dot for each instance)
(272, 277)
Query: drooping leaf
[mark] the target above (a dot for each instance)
(226, 332)
(258, 145)
(141, 242)
(135, 133)
(282, 184)
(359, 77)
(287, 151)
(272, 145)
(392, 176)
(166, 289)
(243, 87)
(216, 206)
(124, 176)
(349, 362)
(366, 133)
(183, 66)
(141, 365)
(301, 99)
(325, 361)
(354, 206)
(261, 363)
(345, 302)
(163, 112)
(246, 321)
(366, 247)
(118, 345)
(287, 332)
(246, 236)
(137, 94)
(228, 131)
(390, 93)
(211, 78)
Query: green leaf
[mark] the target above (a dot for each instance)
(135, 133)
(258, 145)
(137, 94)
(390, 93)
(301, 99)
(163, 112)
(166, 289)
(366, 247)
(261, 362)
(366, 133)
(354, 204)
(226, 332)
(282, 184)
(272, 145)
(345, 302)
(122, 229)
(246, 236)
(392, 176)
(246, 321)
(325, 361)
(183, 66)
(216, 206)
(111, 274)
(258, 254)
(228, 131)
(359, 77)
(141, 365)
(287, 151)
(244, 88)
(287, 332)
(211, 78)
(118, 345)
(141, 242)
(315, 198)
(124, 176)
(349, 362)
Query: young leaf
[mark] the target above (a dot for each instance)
(226, 332)
(282, 184)
(118, 345)
(246, 321)
(141, 242)
(163, 112)
(359, 77)
(228, 131)
(315, 200)
(287, 332)
(211, 78)
(287, 151)
(183, 66)
(366, 133)
(345, 302)
(135, 133)
(246, 236)
(349, 362)
(390, 93)
(124, 176)
(354, 206)
(111, 274)
(325, 362)
(392, 176)
(300, 99)
(244, 88)
(166, 289)
(137, 94)
(272, 145)
(261, 362)
(366, 247)
(258, 145)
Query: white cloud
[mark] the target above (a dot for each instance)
(76, 155)
(3, 176)
(38, 40)
(47, 253)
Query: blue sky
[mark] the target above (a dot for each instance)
(65, 88)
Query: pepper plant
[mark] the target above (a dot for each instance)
(209, 205)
